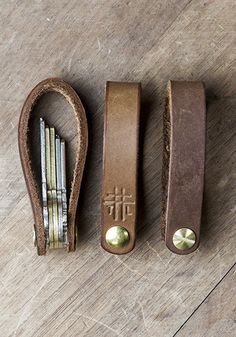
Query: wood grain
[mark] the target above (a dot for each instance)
(216, 315)
(149, 292)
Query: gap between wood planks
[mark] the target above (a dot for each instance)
(192, 314)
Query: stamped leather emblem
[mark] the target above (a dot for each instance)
(119, 204)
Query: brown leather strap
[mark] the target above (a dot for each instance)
(33, 185)
(183, 163)
(119, 196)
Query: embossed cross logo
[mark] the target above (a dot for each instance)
(119, 205)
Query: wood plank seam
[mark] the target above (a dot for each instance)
(198, 307)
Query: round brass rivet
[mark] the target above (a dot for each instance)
(117, 236)
(184, 238)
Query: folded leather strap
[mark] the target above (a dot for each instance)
(183, 165)
(119, 195)
(33, 185)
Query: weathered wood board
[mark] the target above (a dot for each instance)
(149, 292)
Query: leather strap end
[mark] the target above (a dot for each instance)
(120, 154)
(183, 165)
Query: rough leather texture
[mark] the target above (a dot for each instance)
(121, 133)
(33, 185)
(183, 160)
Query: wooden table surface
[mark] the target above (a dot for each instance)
(149, 292)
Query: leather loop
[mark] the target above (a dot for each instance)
(119, 195)
(33, 185)
(183, 162)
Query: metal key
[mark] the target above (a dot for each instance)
(53, 174)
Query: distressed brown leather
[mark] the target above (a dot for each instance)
(183, 160)
(33, 184)
(121, 129)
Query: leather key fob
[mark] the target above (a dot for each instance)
(120, 155)
(183, 165)
(30, 166)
